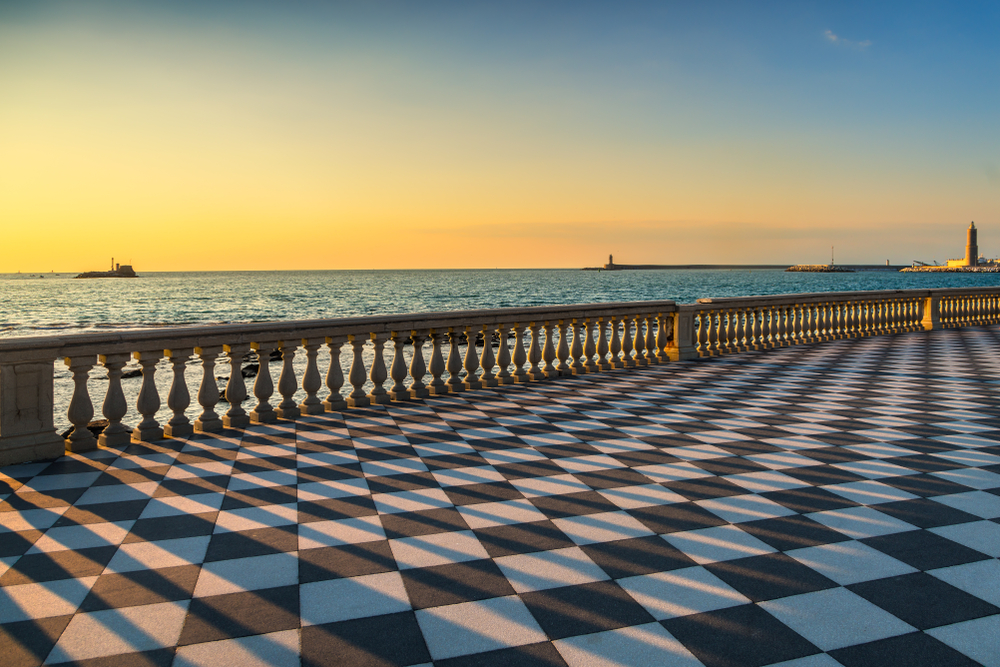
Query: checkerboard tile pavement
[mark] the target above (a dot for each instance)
(818, 505)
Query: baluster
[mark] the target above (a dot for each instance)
(782, 326)
(615, 347)
(650, 355)
(81, 409)
(454, 363)
(397, 371)
(378, 374)
(148, 401)
(549, 353)
(503, 355)
(208, 392)
(487, 361)
(520, 357)
(535, 354)
(603, 363)
(627, 343)
(115, 406)
(701, 333)
(471, 362)
(437, 369)
(766, 328)
(639, 343)
(717, 323)
(311, 380)
(236, 388)
(417, 367)
(178, 398)
(335, 375)
(263, 387)
(357, 376)
(287, 384)
(576, 366)
(590, 348)
(562, 352)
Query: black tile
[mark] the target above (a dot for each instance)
(29, 500)
(494, 443)
(925, 513)
(71, 466)
(612, 478)
(522, 538)
(923, 550)
(252, 465)
(454, 583)
(809, 499)
(567, 449)
(573, 504)
(347, 560)
(743, 636)
(752, 447)
(705, 487)
(923, 601)
(577, 610)
(156, 658)
(663, 519)
(172, 527)
(256, 542)
(837, 454)
(127, 510)
(470, 494)
(423, 522)
(330, 509)
(384, 453)
(924, 485)
(448, 461)
(190, 486)
(785, 533)
(822, 474)
(363, 642)
(111, 477)
(268, 495)
(64, 564)
(141, 587)
(16, 543)
(645, 457)
(405, 482)
(241, 615)
(539, 468)
(640, 555)
(913, 650)
(329, 472)
(543, 654)
(733, 465)
(27, 643)
(769, 576)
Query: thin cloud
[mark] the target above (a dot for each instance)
(848, 43)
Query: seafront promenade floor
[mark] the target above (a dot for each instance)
(820, 505)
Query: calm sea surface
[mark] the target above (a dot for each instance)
(57, 304)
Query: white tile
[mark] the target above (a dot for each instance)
(593, 463)
(648, 644)
(549, 569)
(981, 578)
(973, 458)
(340, 531)
(117, 493)
(443, 448)
(475, 475)
(983, 536)
(338, 488)
(870, 492)
(671, 472)
(81, 537)
(477, 627)
(835, 618)
(198, 503)
(796, 442)
(25, 602)
(136, 556)
(707, 451)
(709, 545)
(267, 451)
(750, 507)
(250, 518)
(437, 549)
(602, 527)
(979, 639)
(850, 562)
(355, 597)
(206, 469)
(690, 590)
(392, 467)
(247, 574)
(115, 631)
(974, 478)
(874, 469)
(551, 485)
(39, 519)
(275, 649)
(860, 522)
(979, 503)
(619, 445)
(519, 455)
(646, 495)
(501, 513)
(411, 501)
(970, 441)
(330, 458)
(262, 479)
(762, 481)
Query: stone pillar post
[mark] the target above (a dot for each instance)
(932, 313)
(26, 429)
(682, 347)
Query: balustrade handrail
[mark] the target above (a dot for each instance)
(548, 342)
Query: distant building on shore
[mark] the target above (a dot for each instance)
(971, 249)
(610, 266)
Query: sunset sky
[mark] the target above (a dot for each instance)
(312, 135)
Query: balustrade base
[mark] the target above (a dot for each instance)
(439, 390)
(207, 426)
(169, 431)
(582, 370)
(380, 399)
(534, 377)
(148, 434)
(422, 392)
(489, 382)
(238, 421)
(359, 402)
(472, 385)
(268, 417)
(682, 353)
(288, 413)
(31, 447)
(456, 388)
(403, 395)
(80, 445)
(506, 380)
(311, 408)
(335, 405)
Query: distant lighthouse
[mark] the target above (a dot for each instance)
(971, 247)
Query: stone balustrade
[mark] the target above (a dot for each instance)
(532, 344)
